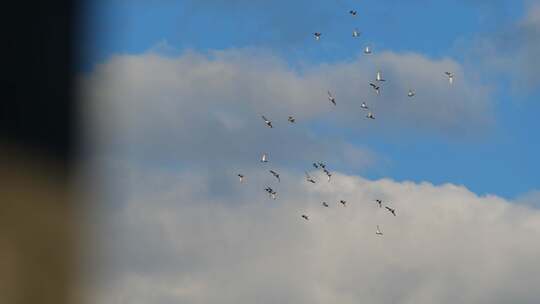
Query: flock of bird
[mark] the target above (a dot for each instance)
(376, 85)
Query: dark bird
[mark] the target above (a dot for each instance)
(266, 121)
(317, 35)
(325, 204)
(305, 217)
(241, 176)
(379, 202)
(275, 174)
(315, 165)
(291, 119)
(352, 12)
(331, 98)
(393, 211)
(343, 202)
(376, 88)
(322, 165)
(309, 178)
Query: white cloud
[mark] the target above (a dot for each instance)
(196, 107)
(180, 243)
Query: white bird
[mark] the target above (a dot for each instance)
(364, 106)
(450, 76)
(367, 50)
(356, 33)
(273, 195)
(378, 231)
(275, 174)
(241, 177)
(370, 115)
(305, 217)
(352, 12)
(379, 76)
(264, 158)
(317, 36)
(331, 98)
(375, 87)
(325, 204)
(411, 93)
(328, 174)
(266, 121)
(291, 119)
(309, 178)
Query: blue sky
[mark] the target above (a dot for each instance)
(502, 161)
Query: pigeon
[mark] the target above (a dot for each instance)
(316, 166)
(317, 36)
(266, 121)
(309, 178)
(370, 115)
(393, 211)
(375, 87)
(379, 202)
(325, 204)
(450, 76)
(275, 174)
(291, 119)
(355, 33)
(327, 174)
(367, 50)
(352, 12)
(379, 76)
(305, 217)
(241, 177)
(343, 202)
(411, 93)
(378, 232)
(364, 106)
(331, 98)
(264, 158)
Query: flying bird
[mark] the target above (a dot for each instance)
(411, 93)
(379, 76)
(291, 119)
(352, 12)
(393, 211)
(379, 202)
(266, 121)
(325, 204)
(316, 166)
(375, 87)
(309, 178)
(367, 50)
(264, 158)
(305, 217)
(343, 202)
(241, 177)
(322, 165)
(364, 106)
(450, 76)
(331, 98)
(327, 174)
(317, 36)
(356, 33)
(275, 174)
(378, 232)
(370, 115)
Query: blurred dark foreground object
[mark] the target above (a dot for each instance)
(38, 134)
